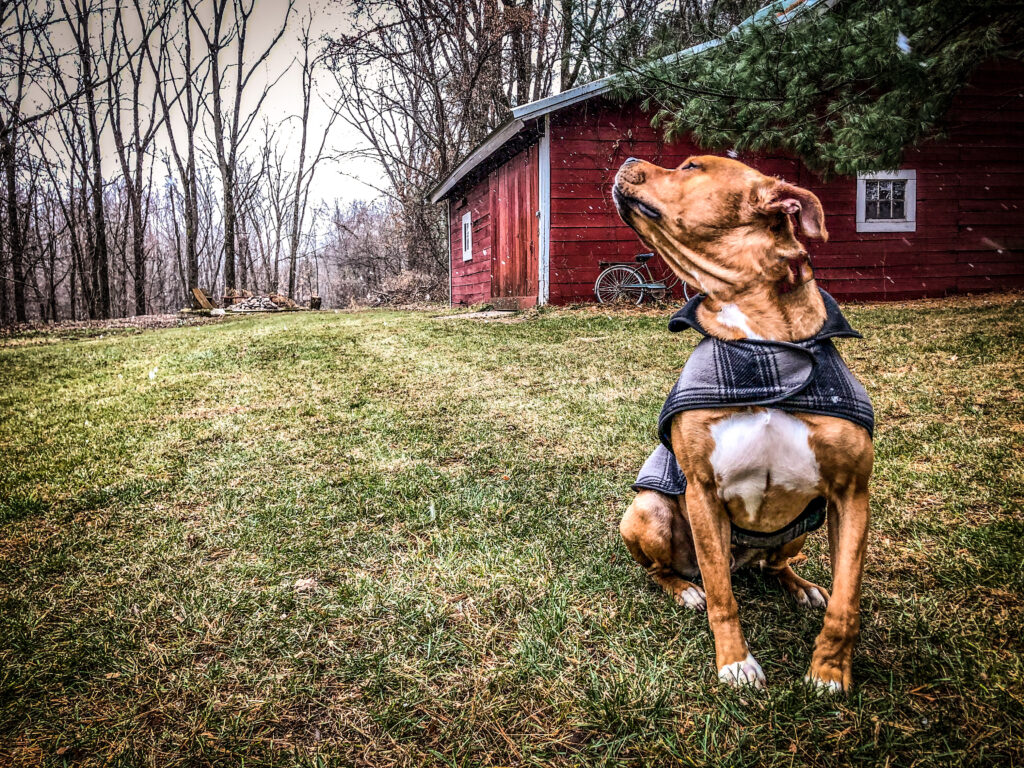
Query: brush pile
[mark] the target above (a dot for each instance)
(406, 289)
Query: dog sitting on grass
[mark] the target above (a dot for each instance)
(766, 425)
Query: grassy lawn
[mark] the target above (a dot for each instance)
(384, 538)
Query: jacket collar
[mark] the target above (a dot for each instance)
(835, 323)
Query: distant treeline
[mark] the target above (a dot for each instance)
(139, 159)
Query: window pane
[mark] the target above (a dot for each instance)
(885, 200)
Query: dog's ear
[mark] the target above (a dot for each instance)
(786, 198)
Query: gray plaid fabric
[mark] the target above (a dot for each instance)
(802, 377)
(661, 472)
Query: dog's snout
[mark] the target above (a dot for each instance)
(631, 173)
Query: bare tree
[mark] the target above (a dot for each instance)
(304, 175)
(180, 77)
(134, 142)
(420, 82)
(79, 16)
(21, 30)
(230, 127)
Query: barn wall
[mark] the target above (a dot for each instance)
(471, 280)
(970, 199)
(588, 144)
(970, 206)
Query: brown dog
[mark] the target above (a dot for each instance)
(725, 228)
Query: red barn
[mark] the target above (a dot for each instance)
(530, 212)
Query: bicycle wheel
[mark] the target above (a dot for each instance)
(619, 283)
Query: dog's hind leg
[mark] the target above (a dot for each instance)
(657, 535)
(806, 593)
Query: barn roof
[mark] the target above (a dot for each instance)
(784, 11)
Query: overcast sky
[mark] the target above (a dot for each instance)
(346, 179)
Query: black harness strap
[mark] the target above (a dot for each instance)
(812, 518)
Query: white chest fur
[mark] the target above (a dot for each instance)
(757, 450)
(733, 317)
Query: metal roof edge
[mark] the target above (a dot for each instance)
(483, 150)
(556, 101)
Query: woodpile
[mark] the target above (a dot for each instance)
(255, 304)
(275, 302)
(235, 300)
(234, 296)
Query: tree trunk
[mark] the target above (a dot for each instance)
(51, 285)
(71, 290)
(17, 245)
(191, 203)
(229, 227)
(139, 252)
(565, 82)
(223, 163)
(5, 308)
(101, 265)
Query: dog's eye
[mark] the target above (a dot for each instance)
(689, 167)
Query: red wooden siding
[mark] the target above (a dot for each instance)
(970, 199)
(514, 191)
(588, 144)
(471, 280)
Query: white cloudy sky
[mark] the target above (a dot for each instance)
(345, 179)
(349, 178)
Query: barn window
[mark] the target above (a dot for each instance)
(887, 202)
(467, 236)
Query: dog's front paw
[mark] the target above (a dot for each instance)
(806, 593)
(692, 597)
(828, 678)
(743, 673)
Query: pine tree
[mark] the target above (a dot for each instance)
(846, 89)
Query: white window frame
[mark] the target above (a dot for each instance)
(467, 236)
(908, 223)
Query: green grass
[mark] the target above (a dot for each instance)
(453, 488)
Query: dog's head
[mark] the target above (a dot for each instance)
(721, 225)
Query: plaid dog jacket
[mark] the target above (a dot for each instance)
(808, 376)
(800, 377)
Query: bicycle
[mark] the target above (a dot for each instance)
(630, 281)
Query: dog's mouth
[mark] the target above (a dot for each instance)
(626, 202)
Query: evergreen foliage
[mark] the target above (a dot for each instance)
(846, 89)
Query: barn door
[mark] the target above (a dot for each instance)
(515, 244)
